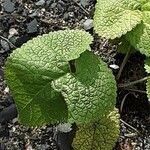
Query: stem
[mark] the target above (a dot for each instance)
(123, 64)
(132, 83)
(134, 90)
(129, 126)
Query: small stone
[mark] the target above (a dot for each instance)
(15, 120)
(114, 66)
(88, 24)
(8, 6)
(12, 32)
(53, 5)
(6, 90)
(32, 26)
(84, 3)
(29, 147)
(65, 127)
(5, 46)
(40, 3)
(33, 14)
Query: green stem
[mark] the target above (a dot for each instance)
(132, 83)
(123, 64)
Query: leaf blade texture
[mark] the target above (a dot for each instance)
(147, 69)
(139, 37)
(114, 18)
(90, 93)
(30, 70)
(100, 135)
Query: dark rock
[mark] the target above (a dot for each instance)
(5, 46)
(32, 26)
(2, 146)
(84, 3)
(40, 3)
(8, 6)
(8, 113)
(4, 131)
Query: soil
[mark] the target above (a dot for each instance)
(21, 20)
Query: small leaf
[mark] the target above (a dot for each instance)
(100, 135)
(30, 70)
(90, 92)
(139, 37)
(114, 18)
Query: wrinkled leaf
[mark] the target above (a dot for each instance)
(114, 18)
(147, 65)
(139, 37)
(147, 68)
(30, 70)
(100, 135)
(90, 92)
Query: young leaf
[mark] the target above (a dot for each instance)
(90, 92)
(139, 37)
(30, 70)
(114, 18)
(100, 135)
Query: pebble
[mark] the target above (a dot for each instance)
(88, 24)
(40, 3)
(12, 32)
(114, 66)
(32, 26)
(65, 127)
(84, 3)
(8, 6)
(5, 46)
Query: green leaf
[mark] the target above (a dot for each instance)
(148, 89)
(100, 135)
(139, 37)
(30, 70)
(147, 65)
(114, 18)
(90, 92)
(147, 68)
(146, 7)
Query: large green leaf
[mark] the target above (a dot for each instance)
(139, 37)
(90, 92)
(114, 18)
(100, 135)
(30, 70)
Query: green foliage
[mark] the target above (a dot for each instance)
(147, 65)
(147, 68)
(54, 79)
(90, 92)
(99, 135)
(139, 36)
(31, 69)
(115, 18)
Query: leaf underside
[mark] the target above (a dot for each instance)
(114, 18)
(100, 135)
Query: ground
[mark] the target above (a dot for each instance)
(23, 20)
